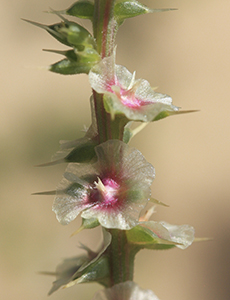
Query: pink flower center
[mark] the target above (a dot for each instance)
(105, 192)
(126, 96)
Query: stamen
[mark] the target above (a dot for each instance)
(99, 185)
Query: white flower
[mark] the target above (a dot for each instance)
(114, 190)
(125, 95)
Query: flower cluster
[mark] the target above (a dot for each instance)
(106, 181)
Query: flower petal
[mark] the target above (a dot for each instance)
(125, 95)
(181, 235)
(127, 164)
(125, 291)
(113, 190)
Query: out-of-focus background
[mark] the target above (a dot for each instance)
(186, 53)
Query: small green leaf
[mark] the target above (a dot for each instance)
(76, 63)
(67, 67)
(82, 154)
(128, 9)
(125, 9)
(90, 223)
(86, 224)
(82, 9)
(139, 236)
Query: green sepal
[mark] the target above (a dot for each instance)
(87, 224)
(155, 201)
(166, 113)
(83, 9)
(142, 237)
(127, 135)
(76, 62)
(84, 153)
(90, 223)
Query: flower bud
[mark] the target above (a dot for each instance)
(69, 33)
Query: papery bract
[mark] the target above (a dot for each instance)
(114, 190)
(125, 95)
(125, 291)
(80, 150)
(80, 268)
(181, 236)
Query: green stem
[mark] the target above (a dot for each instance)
(107, 128)
(121, 257)
(104, 26)
(120, 253)
(105, 29)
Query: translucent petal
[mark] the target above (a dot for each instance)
(72, 268)
(181, 235)
(125, 95)
(113, 190)
(125, 291)
(65, 271)
(70, 201)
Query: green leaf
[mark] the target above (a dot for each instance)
(82, 9)
(84, 153)
(76, 63)
(125, 9)
(128, 9)
(67, 67)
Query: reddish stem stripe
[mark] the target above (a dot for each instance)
(105, 28)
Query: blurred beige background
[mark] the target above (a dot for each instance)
(186, 53)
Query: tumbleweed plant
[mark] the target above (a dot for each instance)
(108, 183)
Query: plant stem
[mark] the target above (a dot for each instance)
(121, 257)
(121, 254)
(105, 28)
